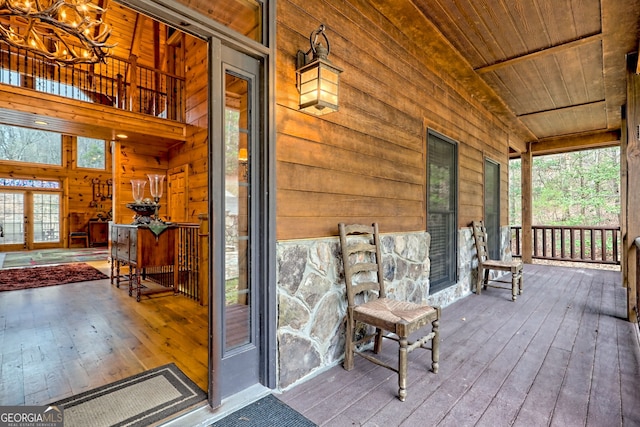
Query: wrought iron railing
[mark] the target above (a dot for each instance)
(571, 243)
(188, 264)
(120, 83)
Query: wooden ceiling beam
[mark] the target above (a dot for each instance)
(564, 144)
(546, 51)
(565, 108)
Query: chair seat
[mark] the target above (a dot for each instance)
(502, 265)
(399, 317)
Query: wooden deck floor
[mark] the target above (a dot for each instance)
(562, 355)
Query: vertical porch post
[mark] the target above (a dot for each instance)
(630, 185)
(526, 159)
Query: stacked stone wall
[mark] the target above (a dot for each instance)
(312, 300)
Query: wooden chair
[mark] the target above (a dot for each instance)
(485, 265)
(364, 275)
(78, 230)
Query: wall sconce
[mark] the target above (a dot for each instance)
(316, 78)
(243, 160)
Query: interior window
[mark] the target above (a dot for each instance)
(91, 153)
(30, 146)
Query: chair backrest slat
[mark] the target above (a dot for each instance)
(480, 237)
(361, 254)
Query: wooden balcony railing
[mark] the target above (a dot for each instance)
(120, 83)
(571, 243)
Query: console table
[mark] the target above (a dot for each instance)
(137, 247)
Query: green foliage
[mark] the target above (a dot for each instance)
(578, 188)
(91, 153)
(29, 145)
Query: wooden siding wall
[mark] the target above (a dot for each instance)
(76, 184)
(367, 162)
(194, 151)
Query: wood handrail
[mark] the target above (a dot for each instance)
(591, 244)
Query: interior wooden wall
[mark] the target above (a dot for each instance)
(367, 162)
(76, 184)
(136, 161)
(194, 152)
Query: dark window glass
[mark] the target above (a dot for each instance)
(442, 210)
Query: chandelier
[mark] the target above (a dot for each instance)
(66, 31)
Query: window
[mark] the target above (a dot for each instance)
(91, 153)
(442, 210)
(30, 146)
(492, 207)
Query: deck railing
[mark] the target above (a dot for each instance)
(120, 82)
(571, 243)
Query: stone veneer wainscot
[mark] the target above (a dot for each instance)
(312, 301)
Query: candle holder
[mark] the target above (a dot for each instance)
(143, 208)
(155, 188)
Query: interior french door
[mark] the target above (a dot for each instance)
(30, 219)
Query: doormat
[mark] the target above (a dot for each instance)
(266, 412)
(140, 400)
(36, 277)
(51, 256)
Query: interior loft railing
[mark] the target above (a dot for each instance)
(189, 264)
(577, 244)
(120, 83)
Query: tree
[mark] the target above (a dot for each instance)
(578, 188)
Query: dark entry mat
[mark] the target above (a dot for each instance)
(266, 412)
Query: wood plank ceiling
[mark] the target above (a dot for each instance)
(558, 65)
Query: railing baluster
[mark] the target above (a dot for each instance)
(584, 244)
(151, 91)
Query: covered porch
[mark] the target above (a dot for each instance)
(563, 354)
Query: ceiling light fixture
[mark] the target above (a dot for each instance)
(66, 31)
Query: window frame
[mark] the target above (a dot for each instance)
(77, 154)
(451, 246)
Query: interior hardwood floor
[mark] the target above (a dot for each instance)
(59, 341)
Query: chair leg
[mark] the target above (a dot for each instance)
(435, 344)
(378, 344)
(514, 286)
(479, 280)
(486, 278)
(520, 275)
(348, 345)
(402, 369)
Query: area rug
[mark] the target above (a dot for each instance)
(140, 400)
(36, 277)
(51, 256)
(266, 412)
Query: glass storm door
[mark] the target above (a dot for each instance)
(239, 330)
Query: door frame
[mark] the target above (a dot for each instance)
(192, 22)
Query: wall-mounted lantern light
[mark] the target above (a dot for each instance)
(317, 78)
